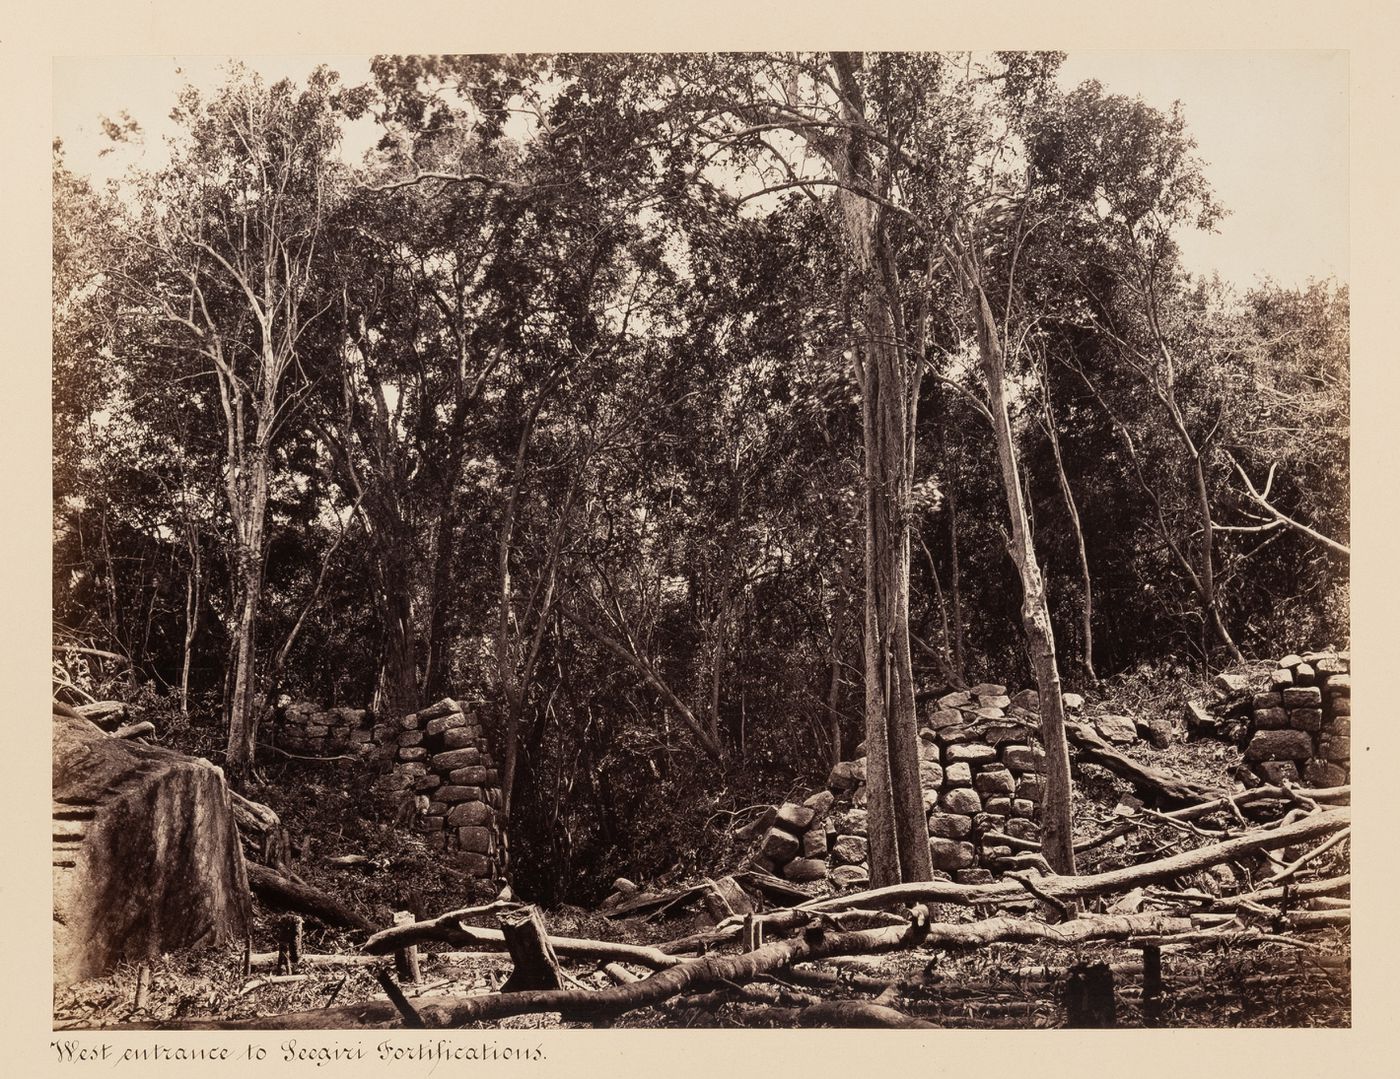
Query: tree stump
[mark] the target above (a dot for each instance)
(1088, 997)
(536, 965)
(1151, 985)
(406, 959)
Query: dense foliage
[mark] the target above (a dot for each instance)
(552, 410)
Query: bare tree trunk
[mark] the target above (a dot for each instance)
(1057, 837)
(898, 829)
(899, 849)
(954, 566)
(247, 484)
(194, 589)
(839, 617)
(1087, 610)
(398, 673)
(437, 676)
(1210, 600)
(242, 720)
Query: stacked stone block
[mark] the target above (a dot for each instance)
(309, 728)
(1300, 724)
(432, 768)
(439, 758)
(992, 778)
(982, 774)
(795, 844)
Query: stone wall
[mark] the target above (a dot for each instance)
(433, 769)
(1300, 721)
(981, 769)
(308, 728)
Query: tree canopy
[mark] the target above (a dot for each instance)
(698, 411)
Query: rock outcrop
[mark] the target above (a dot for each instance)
(146, 855)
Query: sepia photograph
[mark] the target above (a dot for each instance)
(701, 540)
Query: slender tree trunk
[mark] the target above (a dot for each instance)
(898, 829)
(248, 491)
(1210, 600)
(833, 694)
(1057, 836)
(243, 714)
(1087, 610)
(398, 677)
(898, 832)
(716, 674)
(437, 677)
(954, 564)
(194, 587)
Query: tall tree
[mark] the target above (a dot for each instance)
(231, 229)
(1130, 174)
(994, 338)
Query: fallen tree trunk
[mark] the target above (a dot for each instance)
(449, 929)
(1165, 787)
(260, 961)
(1256, 795)
(714, 971)
(779, 921)
(684, 976)
(1319, 824)
(281, 891)
(843, 1013)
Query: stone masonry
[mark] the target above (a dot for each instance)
(433, 768)
(1300, 721)
(981, 769)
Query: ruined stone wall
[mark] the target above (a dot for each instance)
(432, 769)
(982, 769)
(1300, 721)
(306, 727)
(982, 772)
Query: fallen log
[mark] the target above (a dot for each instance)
(684, 976)
(714, 971)
(1164, 786)
(259, 961)
(779, 921)
(1308, 890)
(449, 929)
(1319, 824)
(1256, 795)
(843, 1013)
(445, 927)
(411, 1018)
(620, 974)
(103, 713)
(653, 904)
(281, 891)
(771, 887)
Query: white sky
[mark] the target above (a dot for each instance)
(1273, 130)
(1272, 127)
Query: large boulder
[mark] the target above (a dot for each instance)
(146, 856)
